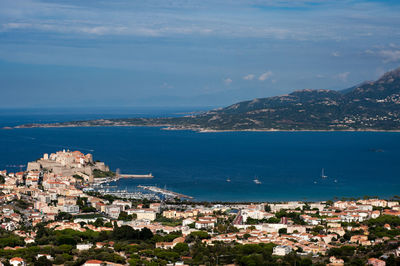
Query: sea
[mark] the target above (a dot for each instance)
(288, 165)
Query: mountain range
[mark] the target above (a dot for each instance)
(369, 106)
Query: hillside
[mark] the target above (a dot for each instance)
(369, 106)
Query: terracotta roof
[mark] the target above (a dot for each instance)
(16, 259)
(94, 262)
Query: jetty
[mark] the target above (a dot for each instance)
(136, 176)
(165, 192)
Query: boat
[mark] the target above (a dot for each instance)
(228, 180)
(257, 181)
(323, 174)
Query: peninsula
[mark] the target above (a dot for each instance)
(370, 106)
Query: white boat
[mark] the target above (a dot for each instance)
(323, 174)
(228, 180)
(257, 181)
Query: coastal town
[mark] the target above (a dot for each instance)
(50, 216)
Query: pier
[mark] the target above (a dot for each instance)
(165, 192)
(135, 176)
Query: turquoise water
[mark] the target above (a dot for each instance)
(197, 164)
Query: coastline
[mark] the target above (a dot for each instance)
(205, 130)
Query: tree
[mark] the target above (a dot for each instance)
(124, 216)
(43, 261)
(63, 216)
(181, 248)
(282, 231)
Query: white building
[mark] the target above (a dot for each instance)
(49, 257)
(188, 221)
(204, 224)
(81, 247)
(17, 262)
(113, 211)
(281, 250)
(71, 208)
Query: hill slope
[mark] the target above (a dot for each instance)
(369, 106)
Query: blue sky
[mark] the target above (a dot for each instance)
(189, 53)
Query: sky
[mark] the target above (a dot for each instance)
(158, 53)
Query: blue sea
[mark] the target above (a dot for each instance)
(288, 164)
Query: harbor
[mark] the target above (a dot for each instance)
(165, 192)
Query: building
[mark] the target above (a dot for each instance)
(204, 224)
(93, 263)
(71, 208)
(81, 247)
(143, 214)
(47, 256)
(17, 262)
(113, 211)
(167, 245)
(376, 262)
(281, 250)
(335, 261)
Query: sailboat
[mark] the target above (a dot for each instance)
(323, 174)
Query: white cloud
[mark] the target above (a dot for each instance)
(390, 55)
(228, 81)
(336, 54)
(343, 76)
(249, 77)
(265, 76)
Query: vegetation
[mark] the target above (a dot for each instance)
(8, 239)
(102, 174)
(125, 217)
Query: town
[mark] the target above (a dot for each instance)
(49, 217)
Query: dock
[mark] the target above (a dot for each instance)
(165, 192)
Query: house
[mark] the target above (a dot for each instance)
(358, 239)
(29, 240)
(16, 261)
(123, 204)
(49, 257)
(93, 263)
(167, 245)
(71, 208)
(113, 211)
(188, 221)
(155, 206)
(81, 247)
(335, 261)
(204, 224)
(376, 262)
(281, 250)
(143, 214)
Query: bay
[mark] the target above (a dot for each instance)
(288, 164)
